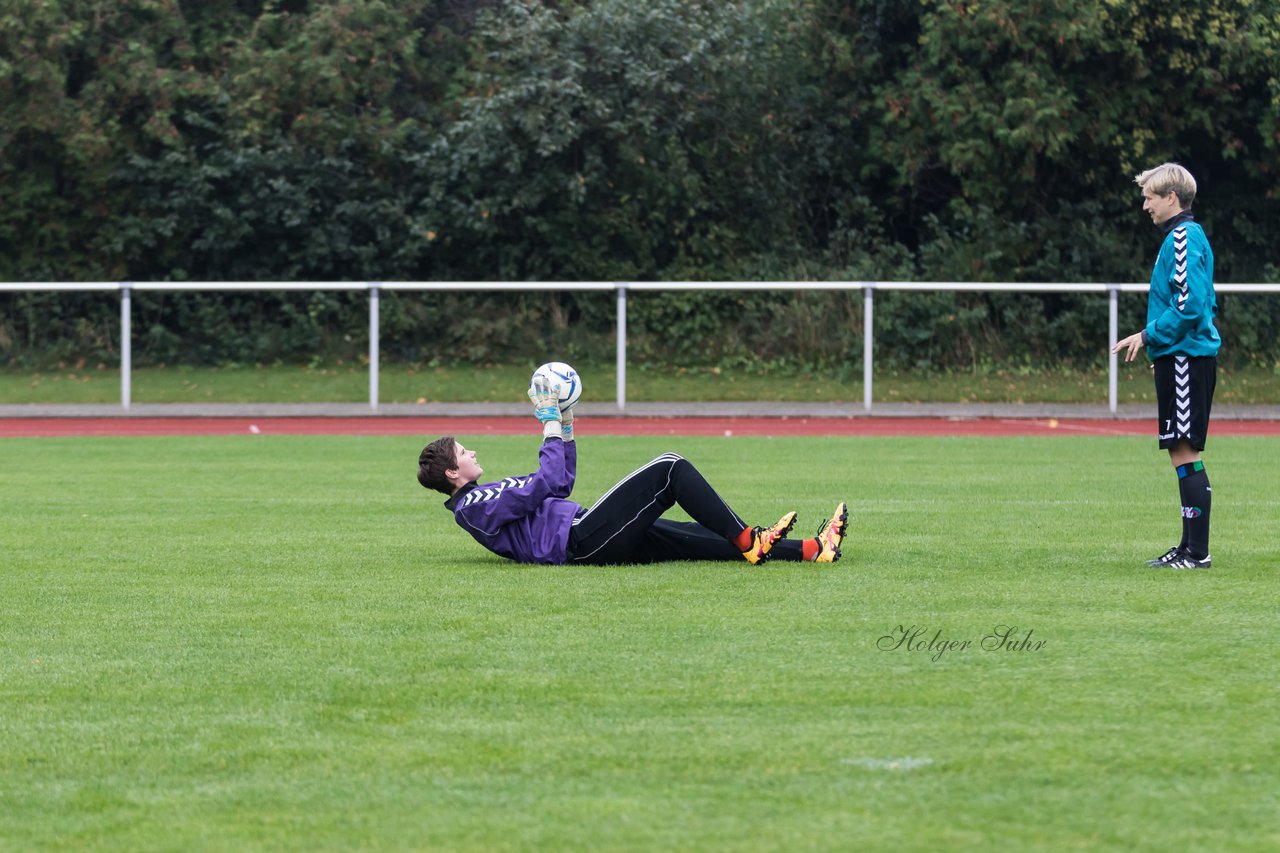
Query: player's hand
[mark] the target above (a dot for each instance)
(545, 398)
(1131, 345)
(566, 422)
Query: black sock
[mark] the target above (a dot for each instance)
(1197, 497)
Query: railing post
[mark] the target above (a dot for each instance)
(126, 346)
(1113, 298)
(373, 345)
(867, 310)
(622, 348)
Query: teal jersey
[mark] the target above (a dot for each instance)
(1181, 305)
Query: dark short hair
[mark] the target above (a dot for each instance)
(437, 457)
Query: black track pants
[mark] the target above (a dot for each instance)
(626, 525)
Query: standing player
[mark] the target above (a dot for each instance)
(1183, 343)
(530, 519)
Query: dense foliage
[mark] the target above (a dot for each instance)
(606, 140)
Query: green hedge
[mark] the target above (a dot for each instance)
(607, 140)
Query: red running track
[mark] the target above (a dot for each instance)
(635, 426)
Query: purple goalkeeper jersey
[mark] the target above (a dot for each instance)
(526, 519)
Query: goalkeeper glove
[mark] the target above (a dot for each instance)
(545, 398)
(566, 424)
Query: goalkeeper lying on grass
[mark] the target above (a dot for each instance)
(530, 519)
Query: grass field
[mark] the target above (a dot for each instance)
(493, 383)
(262, 643)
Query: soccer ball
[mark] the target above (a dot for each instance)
(559, 373)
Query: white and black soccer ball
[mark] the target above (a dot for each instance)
(559, 373)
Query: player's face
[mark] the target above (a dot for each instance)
(1160, 207)
(468, 468)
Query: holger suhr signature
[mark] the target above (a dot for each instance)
(914, 638)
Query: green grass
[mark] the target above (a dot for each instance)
(408, 384)
(261, 643)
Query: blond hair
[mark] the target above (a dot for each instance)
(1169, 178)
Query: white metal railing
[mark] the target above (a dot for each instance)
(868, 288)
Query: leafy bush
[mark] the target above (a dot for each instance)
(464, 140)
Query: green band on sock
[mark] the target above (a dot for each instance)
(1189, 468)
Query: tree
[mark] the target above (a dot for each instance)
(616, 140)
